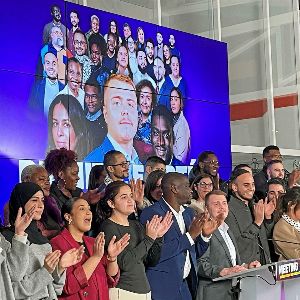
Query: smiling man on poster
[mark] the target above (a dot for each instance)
(121, 116)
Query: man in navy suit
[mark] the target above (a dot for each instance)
(175, 276)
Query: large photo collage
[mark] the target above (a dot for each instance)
(114, 86)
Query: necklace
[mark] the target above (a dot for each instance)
(295, 224)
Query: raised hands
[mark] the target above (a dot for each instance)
(52, 260)
(98, 248)
(153, 226)
(269, 208)
(210, 225)
(259, 212)
(115, 248)
(165, 224)
(137, 188)
(70, 258)
(203, 224)
(22, 222)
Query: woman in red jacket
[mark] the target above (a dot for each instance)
(97, 271)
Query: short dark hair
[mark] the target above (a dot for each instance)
(204, 155)
(276, 181)
(214, 192)
(97, 40)
(75, 12)
(272, 162)
(268, 149)
(197, 180)
(163, 112)
(73, 59)
(140, 50)
(109, 158)
(153, 160)
(237, 174)
(241, 166)
(150, 41)
(146, 83)
(291, 197)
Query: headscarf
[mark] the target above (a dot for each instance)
(20, 195)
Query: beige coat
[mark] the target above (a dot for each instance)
(283, 231)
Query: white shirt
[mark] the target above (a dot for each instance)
(180, 221)
(133, 159)
(51, 90)
(80, 97)
(223, 229)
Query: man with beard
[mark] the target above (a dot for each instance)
(56, 47)
(222, 257)
(158, 50)
(208, 163)
(74, 79)
(141, 71)
(173, 49)
(80, 45)
(56, 14)
(150, 57)
(251, 223)
(110, 59)
(74, 17)
(159, 73)
(95, 119)
(162, 136)
(185, 241)
(121, 116)
(46, 89)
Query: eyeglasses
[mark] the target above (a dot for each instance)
(80, 43)
(123, 164)
(205, 185)
(273, 194)
(93, 97)
(212, 162)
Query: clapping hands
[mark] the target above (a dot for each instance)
(158, 226)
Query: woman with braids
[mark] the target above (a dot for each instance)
(286, 234)
(144, 244)
(96, 271)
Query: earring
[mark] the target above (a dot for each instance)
(70, 221)
(61, 183)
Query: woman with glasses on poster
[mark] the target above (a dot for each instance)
(201, 186)
(67, 126)
(182, 135)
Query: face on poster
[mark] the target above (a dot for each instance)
(92, 81)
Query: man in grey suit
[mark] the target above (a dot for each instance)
(250, 222)
(222, 257)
